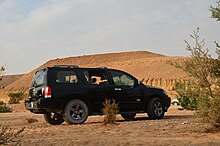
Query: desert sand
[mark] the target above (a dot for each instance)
(178, 127)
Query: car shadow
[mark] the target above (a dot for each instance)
(165, 118)
(135, 119)
(146, 118)
(178, 116)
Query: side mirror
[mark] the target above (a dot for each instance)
(136, 83)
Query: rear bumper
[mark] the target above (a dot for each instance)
(39, 106)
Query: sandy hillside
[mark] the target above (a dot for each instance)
(142, 64)
(8, 79)
(177, 128)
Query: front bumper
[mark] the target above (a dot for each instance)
(168, 102)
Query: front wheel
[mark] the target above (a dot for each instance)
(53, 118)
(128, 117)
(155, 109)
(76, 112)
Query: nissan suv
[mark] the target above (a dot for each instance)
(70, 93)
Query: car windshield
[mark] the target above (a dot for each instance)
(39, 78)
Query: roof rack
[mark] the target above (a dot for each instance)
(67, 66)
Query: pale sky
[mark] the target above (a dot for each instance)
(35, 31)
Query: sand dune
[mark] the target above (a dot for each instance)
(144, 65)
(8, 79)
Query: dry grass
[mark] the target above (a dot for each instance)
(10, 136)
(110, 111)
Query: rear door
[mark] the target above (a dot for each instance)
(97, 88)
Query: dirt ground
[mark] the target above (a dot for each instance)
(177, 128)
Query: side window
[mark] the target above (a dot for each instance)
(122, 79)
(96, 77)
(66, 77)
(39, 78)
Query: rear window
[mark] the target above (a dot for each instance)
(66, 77)
(39, 78)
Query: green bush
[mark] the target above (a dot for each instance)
(5, 109)
(215, 11)
(209, 110)
(1, 102)
(187, 94)
(110, 111)
(204, 70)
(16, 97)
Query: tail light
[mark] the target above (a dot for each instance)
(47, 91)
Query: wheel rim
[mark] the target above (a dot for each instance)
(54, 116)
(77, 112)
(158, 108)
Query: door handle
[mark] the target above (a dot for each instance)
(117, 89)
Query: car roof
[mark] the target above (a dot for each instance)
(77, 67)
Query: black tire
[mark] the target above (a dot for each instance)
(128, 117)
(76, 112)
(155, 109)
(53, 118)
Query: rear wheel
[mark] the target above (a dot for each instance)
(76, 112)
(53, 118)
(155, 109)
(128, 117)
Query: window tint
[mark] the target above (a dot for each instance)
(39, 78)
(66, 77)
(122, 79)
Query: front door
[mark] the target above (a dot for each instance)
(126, 91)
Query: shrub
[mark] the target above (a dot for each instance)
(110, 111)
(10, 136)
(1, 102)
(209, 110)
(15, 97)
(205, 72)
(188, 103)
(215, 11)
(5, 109)
(187, 94)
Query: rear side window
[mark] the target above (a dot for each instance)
(68, 77)
(39, 78)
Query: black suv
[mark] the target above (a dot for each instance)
(70, 93)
